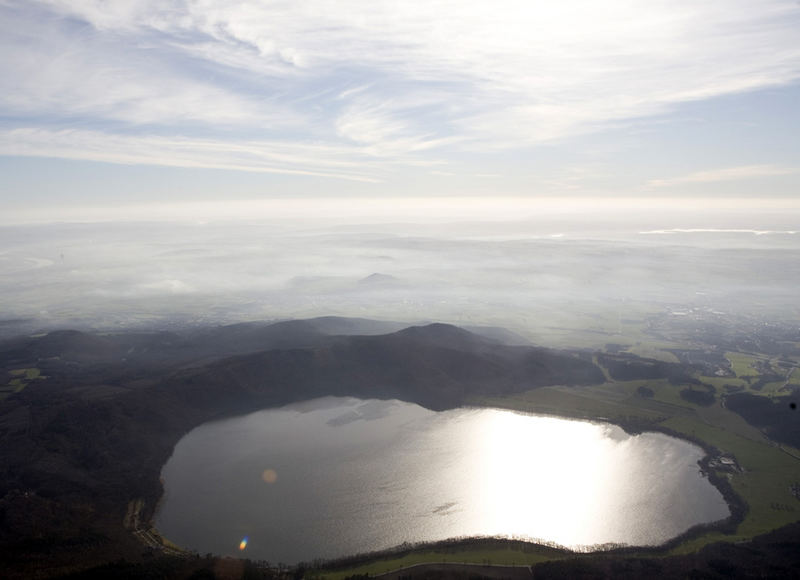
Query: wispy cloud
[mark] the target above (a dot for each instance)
(254, 156)
(390, 80)
(56, 70)
(725, 174)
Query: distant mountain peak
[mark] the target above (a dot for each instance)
(378, 278)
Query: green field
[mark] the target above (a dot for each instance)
(656, 351)
(720, 382)
(22, 378)
(533, 554)
(28, 374)
(742, 364)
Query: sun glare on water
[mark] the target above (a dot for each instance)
(544, 470)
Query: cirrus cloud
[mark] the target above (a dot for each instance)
(725, 174)
(389, 81)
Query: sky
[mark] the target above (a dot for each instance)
(118, 104)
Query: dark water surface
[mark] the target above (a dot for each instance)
(337, 476)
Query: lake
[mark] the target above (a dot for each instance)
(337, 476)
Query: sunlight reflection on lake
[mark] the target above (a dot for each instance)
(337, 476)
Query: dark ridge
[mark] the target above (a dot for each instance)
(775, 417)
(253, 337)
(771, 555)
(629, 367)
(347, 326)
(436, 366)
(14, 321)
(71, 344)
(703, 396)
(445, 335)
(499, 334)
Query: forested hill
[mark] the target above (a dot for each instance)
(94, 417)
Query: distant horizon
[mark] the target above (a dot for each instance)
(429, 209)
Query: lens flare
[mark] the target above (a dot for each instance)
(269, 476)
(243, 543)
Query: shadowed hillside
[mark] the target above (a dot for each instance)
(92, 433)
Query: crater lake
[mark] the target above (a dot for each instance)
(338, 476)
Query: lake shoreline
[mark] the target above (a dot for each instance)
(736, 506)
